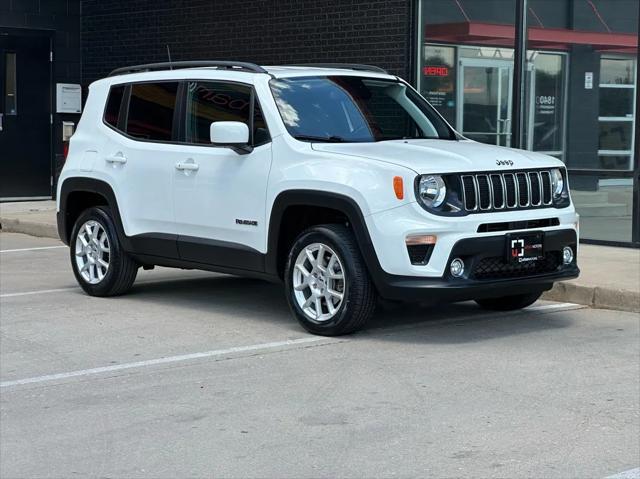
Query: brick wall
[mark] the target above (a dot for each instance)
(117, 33)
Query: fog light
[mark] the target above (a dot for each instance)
(567, 255)
(457, 268)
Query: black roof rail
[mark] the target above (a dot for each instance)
(348, 66)
(228, 65)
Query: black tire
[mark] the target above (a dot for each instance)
(122, 269)
(359, 295)
(509, 303)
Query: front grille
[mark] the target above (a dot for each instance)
(496, 267)
(499, 191)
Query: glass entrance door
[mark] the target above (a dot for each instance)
(484, 99)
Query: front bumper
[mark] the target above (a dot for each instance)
(477, 252)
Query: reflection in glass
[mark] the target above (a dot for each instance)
(617, 71)
(615, 135)
(605, 206)
(11, 88)
(617, 102)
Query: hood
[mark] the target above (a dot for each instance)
(443, 156)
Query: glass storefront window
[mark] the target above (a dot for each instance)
(580, 90)
(616, 118)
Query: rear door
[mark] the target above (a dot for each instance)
(220, 201)
(140, 154)
(25, 125)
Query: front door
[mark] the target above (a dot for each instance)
(25, 125)
(484, 100)
(219, 194)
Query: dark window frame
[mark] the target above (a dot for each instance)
(123, 114)
(253, 99)
(178, 136)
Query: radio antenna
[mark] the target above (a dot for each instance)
(169, 55)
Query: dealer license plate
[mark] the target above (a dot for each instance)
(525, 248)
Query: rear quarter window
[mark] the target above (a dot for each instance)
(112, 110)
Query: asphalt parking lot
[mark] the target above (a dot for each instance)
(201, 375)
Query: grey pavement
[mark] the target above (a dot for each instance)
(550, 392)
(610, 276)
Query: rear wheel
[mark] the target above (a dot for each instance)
(100, 265)
(327, 284)
(509, 303)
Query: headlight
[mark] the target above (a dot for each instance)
(557, 183)
(432, 191)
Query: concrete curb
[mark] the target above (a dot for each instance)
(595, 296)
(568, 292)
(11, 225)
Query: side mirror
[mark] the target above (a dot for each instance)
(234, 134)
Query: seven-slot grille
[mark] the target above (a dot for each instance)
(499, 191)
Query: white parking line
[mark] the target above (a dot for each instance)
(166, 360)
(255, 347)
(31, 249)
(630, 474)
(545, 307)
(42, 291)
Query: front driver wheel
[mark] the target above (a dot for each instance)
(509, 303)
(327, 283)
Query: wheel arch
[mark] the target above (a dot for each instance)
(76, 195)
(300, 198)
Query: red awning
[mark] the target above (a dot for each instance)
(539, 38)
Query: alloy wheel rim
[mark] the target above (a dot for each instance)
(318, 282)
(92, 252)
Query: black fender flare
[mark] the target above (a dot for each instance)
(89, 185)
(325, 199)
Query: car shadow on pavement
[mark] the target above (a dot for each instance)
(460, 323)
(252, 298)
(218, 294)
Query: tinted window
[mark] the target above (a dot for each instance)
(151, 109)
(355, 109)
(112, 110)
(209, 102)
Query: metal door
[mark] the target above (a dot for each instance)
(25, 108)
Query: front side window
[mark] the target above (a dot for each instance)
(151, 107)
(355, 109)
(209, 102)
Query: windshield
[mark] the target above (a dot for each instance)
(355, 109)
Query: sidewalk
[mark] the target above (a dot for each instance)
(610, 276)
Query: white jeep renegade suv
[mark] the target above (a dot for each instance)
(340, 180)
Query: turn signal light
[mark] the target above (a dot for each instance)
(415, 240)
(398, 187)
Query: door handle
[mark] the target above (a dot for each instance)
(187, 166)
(118, 158)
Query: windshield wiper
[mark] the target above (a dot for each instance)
(325, 139)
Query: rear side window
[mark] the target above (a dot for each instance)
(112, 111)
(151, 107)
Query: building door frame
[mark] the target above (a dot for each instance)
(503, 125)
(48, 35)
